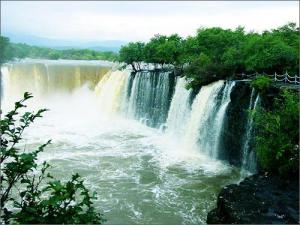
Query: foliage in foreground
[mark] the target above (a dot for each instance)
(28, 193)
(277, 135)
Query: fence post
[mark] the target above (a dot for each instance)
(275, 79)
(286, 77)
(295, 79)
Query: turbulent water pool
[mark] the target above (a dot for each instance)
(142, 175)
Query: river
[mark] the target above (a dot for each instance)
(142, 174)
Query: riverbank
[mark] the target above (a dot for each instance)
(258, 199)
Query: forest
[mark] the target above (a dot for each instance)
(216, 53)
(21, 50)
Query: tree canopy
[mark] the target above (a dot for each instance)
(4, 49)
(277, 134)
(13, 50)
(216, 53)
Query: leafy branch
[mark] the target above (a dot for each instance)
(56, 202)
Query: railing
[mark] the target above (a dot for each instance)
(286, 78)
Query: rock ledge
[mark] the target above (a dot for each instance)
(259, 199)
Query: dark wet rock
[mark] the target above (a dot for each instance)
(259, 199)
(235, 121)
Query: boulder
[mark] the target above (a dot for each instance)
(259, 199)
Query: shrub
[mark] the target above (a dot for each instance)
(277, 135)
(261, 83)
(35, 195)
(202, 71)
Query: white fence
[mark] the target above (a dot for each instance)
(286, 78)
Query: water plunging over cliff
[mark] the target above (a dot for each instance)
(149, 97)
(249, 158)
(202, 126)
(219, 119)
(180, 109)
(109, 91)
(45, 77)
(138, 171)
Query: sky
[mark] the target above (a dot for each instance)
(132, 21)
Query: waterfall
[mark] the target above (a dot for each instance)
(4, 80)
(248, 157)
(149, 97)
(200, 131)
(109, 91)
(179, 109)
(219, 119)
(43, 77)
(126, 94)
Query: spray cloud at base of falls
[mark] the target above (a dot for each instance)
(45, 77)
(94, 121)
(154, 98)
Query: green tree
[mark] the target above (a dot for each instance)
(53, 55)
(132, 54)
(216, 53)
(24, 50)
(5, 53)
(262, 83)
(154, 52)
(268, 53)
(171, 49)
(277, 135)
(201, 71)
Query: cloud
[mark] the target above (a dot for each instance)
(139, 20)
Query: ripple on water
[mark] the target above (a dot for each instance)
(141, 176)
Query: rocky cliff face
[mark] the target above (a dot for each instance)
(259, 199)
(235, 123)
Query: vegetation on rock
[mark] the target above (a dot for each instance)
(261, 83)
(277, 135)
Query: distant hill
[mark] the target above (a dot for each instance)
(106, 45)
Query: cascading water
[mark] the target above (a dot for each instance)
(201, 126)
(109, 91)
(3, 80)
(45, 77)
(219, 119)
(149, 97)
(136, 170)
(179, 109)
(200, 130)
(249, 158)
